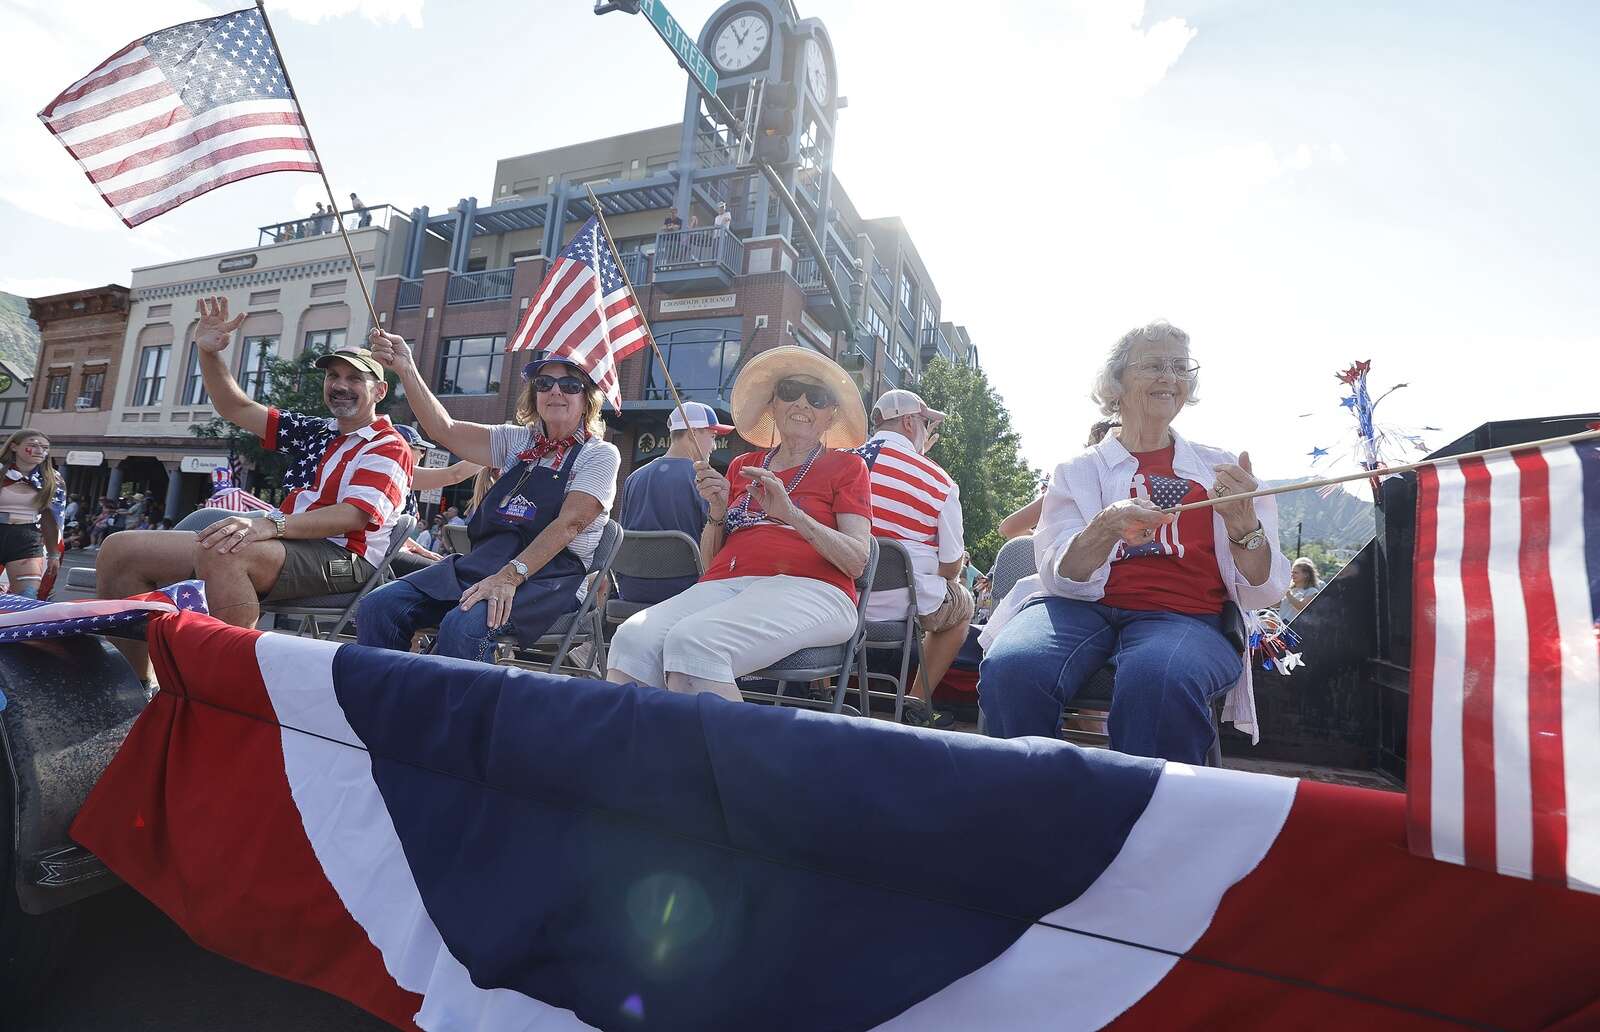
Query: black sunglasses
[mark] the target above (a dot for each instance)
(817, 397)
(568, 384)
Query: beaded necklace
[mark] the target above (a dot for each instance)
(739, 516)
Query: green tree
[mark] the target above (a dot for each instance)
(292, 385)
(980, 450)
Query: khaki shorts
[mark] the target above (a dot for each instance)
(317, 567)
(956, 609)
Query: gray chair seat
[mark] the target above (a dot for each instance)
(619, 610)
(886, 631)
(829, 656)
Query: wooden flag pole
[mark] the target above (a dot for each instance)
(321, 169)
(605, 231)
(1384, 471)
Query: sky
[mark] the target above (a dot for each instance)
(1298, 185)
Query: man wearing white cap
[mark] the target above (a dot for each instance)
(916, 503)
(662, 494)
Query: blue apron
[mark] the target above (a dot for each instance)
(524, 501)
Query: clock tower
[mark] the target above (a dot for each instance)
(763, 49)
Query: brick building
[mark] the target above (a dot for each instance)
(81, 336)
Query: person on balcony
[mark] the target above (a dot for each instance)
(536, 531)
(348, 477)
(664, 494)
(1124, 582)
(363, 214)
(671, 224)
(915, 502)
(32, 504)
(724, 219)
(787, 533)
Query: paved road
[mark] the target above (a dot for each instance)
(132, 970)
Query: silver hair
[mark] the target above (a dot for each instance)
(1107, 390)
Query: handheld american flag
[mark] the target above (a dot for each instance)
(1504, 757)
(181, 112)
(585, 312)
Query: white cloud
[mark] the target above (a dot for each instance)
(42, 286)
(380, 11)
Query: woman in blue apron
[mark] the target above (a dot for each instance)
(534, 533)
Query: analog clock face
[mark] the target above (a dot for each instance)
(740, 42)
(817, 71)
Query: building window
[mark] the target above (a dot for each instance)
(875, 324)
(701, 362)
(253, 365)
(151, 385)
(55, 390)
(325, 340)
(471, 365)
(930, 319)
(194, 388)
(92, 388)
(10, 415)
(908, 292)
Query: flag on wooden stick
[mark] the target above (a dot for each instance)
(180, 112)
(1504, 756)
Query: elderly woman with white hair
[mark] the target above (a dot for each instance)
(787, 533)
(1122, 581)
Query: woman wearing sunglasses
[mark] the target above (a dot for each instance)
(536, 530)
(787, 534)
(32, 500)
(1123, 582)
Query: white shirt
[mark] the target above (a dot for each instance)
(1099, 476)
(925, 559)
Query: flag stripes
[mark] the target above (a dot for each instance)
(1505, 725)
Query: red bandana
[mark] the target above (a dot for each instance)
(557, 447)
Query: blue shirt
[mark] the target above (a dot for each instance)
(661, 495)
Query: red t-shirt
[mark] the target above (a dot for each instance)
(837, 483)
(1177, 572)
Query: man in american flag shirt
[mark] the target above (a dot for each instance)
(916, 503)
(348, 478)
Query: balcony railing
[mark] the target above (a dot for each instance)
(637, 265)
(378, 215)
(410, 295)
(488, 285)
(908, 321)
(699, 248)
(881, 282)
(809, 275)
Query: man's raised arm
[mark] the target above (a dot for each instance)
(211, 339)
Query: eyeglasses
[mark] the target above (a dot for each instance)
(568, 384)
(817, 397)
(1180, 368)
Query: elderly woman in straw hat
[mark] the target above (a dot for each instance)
(787, 534)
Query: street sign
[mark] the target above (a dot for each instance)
(437, 458)
(682, 44)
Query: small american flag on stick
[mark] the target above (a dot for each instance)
(585, 312)
(181, 112)
(1504, 755)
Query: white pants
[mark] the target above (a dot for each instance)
(723, 629)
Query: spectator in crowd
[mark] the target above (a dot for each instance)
(536, 531)
(73, 509)
(363, 215)
(724, 217)
(788, 531)
(1121, 577)
(671, 223)
(329, 533)
(453, 517)
(317, 218)
(105, 522)
(32, 502)
(694, 221)
(1302, 588)
(664, 494)
(432, 537)
(917, 504)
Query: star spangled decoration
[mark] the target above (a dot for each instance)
(34, 619)
(1317, 453)
(220, 61)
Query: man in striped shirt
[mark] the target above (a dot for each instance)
(916, 503)
(349, 476)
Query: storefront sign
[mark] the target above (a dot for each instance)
(236, 263)
(653, 440)
(699, 304)
(85, 458)
(202, 463)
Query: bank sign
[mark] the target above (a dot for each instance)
(681, 43)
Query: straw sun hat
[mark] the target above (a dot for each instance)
(753, 392)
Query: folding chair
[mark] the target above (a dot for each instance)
(816, 664)
(585, 626)
(341, 608)
(651, 555)
(455, 535)
(900, 634)
(1013, 562)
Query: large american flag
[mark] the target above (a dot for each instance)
(181, 112)
(585, 312)
(1504, 758)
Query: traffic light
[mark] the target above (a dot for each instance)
(625, 6)
(775, 129)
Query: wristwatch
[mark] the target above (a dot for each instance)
(520, 566)
(1253, 540)
(278, 520)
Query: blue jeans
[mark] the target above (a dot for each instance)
(1169, 667)
(389, 616)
